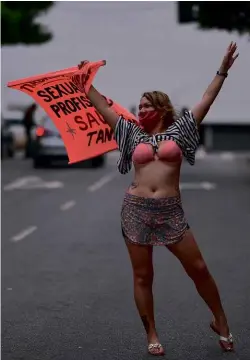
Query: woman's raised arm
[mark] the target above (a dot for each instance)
(102, 106)
(201, 109)
(97, 100)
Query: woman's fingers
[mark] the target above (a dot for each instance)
(82, 63)
(235, 57)
(232, 47)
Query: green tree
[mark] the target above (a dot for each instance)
(229, 16)
(19, 24)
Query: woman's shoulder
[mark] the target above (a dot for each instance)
(185, 117)
(127, 125)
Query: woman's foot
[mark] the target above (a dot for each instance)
(154, 346)
(225, 337)
(156, 349)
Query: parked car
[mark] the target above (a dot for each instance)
(7, 142)
(13, 122)
(48, 146)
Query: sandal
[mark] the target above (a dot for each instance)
(156, 349)
(226, 343)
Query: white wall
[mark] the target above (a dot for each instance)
(145, 49)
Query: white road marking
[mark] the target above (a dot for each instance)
(18, 183)
(50, 185)
(101, 182)
(197, 186)
(68, 205)
(32, 182)
(24, 233)
(201, 154)
(208, 185)
(227, 155)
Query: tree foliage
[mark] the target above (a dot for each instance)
(229, 16)
(19, 24)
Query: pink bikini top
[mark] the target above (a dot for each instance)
(167, 151)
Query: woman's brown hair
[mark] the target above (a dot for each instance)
(160, 101)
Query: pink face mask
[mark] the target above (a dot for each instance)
(149, 119)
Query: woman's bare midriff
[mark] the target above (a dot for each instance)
(156, 179)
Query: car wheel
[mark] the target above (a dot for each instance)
(2, 151)
(40, 163)
(98, 161)
(10, 151)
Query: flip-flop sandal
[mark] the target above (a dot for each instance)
(156, 349)
(226, 343)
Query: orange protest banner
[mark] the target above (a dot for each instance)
(83, 130)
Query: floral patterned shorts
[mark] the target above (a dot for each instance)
(148, 221)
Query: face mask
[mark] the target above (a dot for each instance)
(149, 119)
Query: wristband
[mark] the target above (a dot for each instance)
(222, 74)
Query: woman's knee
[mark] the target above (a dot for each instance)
(197, 270)
(143, 277)
(141, 259)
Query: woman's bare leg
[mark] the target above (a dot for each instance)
(188, 253)
(142, 263)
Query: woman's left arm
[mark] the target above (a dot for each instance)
(201, 109)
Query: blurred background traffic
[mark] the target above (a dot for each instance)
(177, 50)
(66, 278)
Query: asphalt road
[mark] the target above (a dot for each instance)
(66, 277)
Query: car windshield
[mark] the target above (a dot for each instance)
(12, 122)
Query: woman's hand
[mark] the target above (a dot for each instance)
(80, 79)
(229, 58)
(82, 63)
(84, 77)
